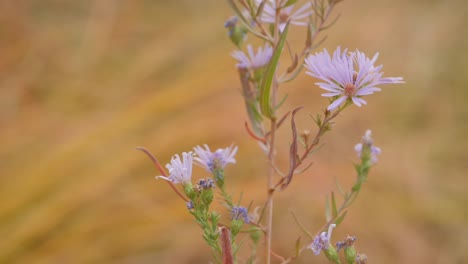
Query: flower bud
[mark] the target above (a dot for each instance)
(188, 190)
(350, 254)
(332, 254)
(207, 197)
(236, 226)
(255, 235)
(237, 33)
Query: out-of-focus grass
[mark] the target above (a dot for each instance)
(85, 82)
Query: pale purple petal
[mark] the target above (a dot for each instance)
(351, 70)
(218, 159)
(179, 171)
(367, 91)
(336, 103)
(358, 101)
(253, 60)
(298, 17)
(331, 94)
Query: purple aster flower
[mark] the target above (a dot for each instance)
(253, 60)
(322, 241)
(180, 171)
(367, 141)
(240, 213)
(212, 161)
(347, 75)
(298, 17)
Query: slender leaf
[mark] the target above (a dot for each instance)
(328, 216)
(292, 151)
(341, 218)
(292, 75)
(281, 102)
(265, 86)
(340, 188)
(290, 2)
(333, 201)
(298, 247)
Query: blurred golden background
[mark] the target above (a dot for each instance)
(85, 82)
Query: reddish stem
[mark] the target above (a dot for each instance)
(226, 245)
(252, 134)
(162, 171)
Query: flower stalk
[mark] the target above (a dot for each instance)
(346, 76)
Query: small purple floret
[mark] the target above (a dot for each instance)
(240, 213)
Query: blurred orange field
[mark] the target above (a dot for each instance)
(85, 82)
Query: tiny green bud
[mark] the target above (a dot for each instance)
(237, 33)
(255, 235)
(214, 217)
(350, 254)
(201, 208)
(236, 226)
(207, 196)
(188, 190)
(332, 254)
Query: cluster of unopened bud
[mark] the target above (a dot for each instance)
(351, 256)
(204, 184)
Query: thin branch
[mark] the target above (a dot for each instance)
(252, 134)
(162, 171)
(301, 226)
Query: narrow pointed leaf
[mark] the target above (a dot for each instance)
(292, 75)
(341, 218)
(265, 85)
(292, 151)
(290, 2)
(333, 201)
(340, 188)
(298, 246)
(328, 216)
(281, 102)
(251, 103)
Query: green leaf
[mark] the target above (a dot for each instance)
(333, 200)
(281, 102)
(328, 216)
(290, 2)
(298, 247)
(340, 188)
(341, 218)
(265, 85)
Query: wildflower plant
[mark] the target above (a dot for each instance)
(347, 77)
